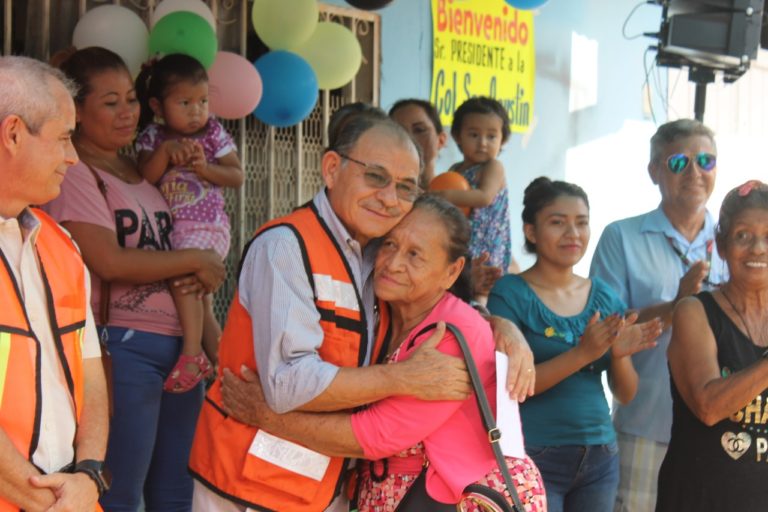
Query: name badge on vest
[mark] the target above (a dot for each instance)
(288, 455)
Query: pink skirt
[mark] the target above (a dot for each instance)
(188, 234)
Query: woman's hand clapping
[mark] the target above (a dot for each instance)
(621, 335)
(636, 337)
(599, 336)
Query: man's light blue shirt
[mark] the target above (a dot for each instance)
(274, 289)
(635, 258)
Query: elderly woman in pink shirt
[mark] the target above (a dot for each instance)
(418, 272)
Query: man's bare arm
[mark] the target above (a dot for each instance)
(76, 491)
(15, 474)
(428, 374)
(328, 432)
(92, 431)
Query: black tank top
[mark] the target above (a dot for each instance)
(723, 467)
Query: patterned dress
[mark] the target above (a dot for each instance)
(382, 492)
(490, 225)
(197, 205)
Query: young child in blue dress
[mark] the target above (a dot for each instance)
(577, 330)
(480, 128)
(189, 155)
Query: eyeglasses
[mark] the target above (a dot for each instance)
(678, 162)
(378, 177)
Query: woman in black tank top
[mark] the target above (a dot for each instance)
(718, 455)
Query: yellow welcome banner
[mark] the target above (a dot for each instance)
(483, 48)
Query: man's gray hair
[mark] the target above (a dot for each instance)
(681, 128)
(25, 90)
(347, 135)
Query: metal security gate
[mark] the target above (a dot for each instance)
(282, 165)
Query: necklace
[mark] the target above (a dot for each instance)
(687, 262)
(746, 327)
(106, 165)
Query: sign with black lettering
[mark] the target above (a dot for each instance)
(483, 48)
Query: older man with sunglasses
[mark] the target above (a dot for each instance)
(306, 318)
(652, 261)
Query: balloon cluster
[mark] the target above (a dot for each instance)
(280, 88)
(306, 55)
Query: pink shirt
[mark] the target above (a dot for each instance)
(455, 441)
(140, 218)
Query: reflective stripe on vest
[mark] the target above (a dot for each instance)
(63, 275)
(5, 354)
(222, 453)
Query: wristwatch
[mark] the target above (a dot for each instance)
(97, 472)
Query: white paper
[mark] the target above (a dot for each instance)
(507, 413)
(288, 455)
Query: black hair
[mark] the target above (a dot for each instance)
(81, 65)
(345, 113)
(424, 105)
(481, 105)
(752, 194)
(157, 77)
(459, 231)
(542, 192)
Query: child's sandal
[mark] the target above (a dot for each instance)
(181, 379)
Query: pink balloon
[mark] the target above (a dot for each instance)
(234, 86)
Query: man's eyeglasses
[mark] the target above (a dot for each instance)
(378, 177)
(678, 162)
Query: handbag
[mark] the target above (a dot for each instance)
(416, 498)
(104, 298)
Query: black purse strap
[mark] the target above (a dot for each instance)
(489, 422)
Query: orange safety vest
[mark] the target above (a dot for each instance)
(63, 275)
(220, 457)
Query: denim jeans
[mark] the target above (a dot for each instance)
(151, 431)
(578, 478)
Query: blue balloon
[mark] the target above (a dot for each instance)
(289, 88)
(526, 4)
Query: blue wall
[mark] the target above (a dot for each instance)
(407, 72)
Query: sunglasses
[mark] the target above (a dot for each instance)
(678, 162)
(378, 177)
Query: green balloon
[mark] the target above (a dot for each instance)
(184, 32)
(284, 24)
(334, 53)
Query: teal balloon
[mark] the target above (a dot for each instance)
(289, 88)
(184, 32)
(526, 4)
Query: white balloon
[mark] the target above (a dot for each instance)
(114, 28)
(195, 6)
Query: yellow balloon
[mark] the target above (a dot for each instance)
(285, 24)
(334, 53)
